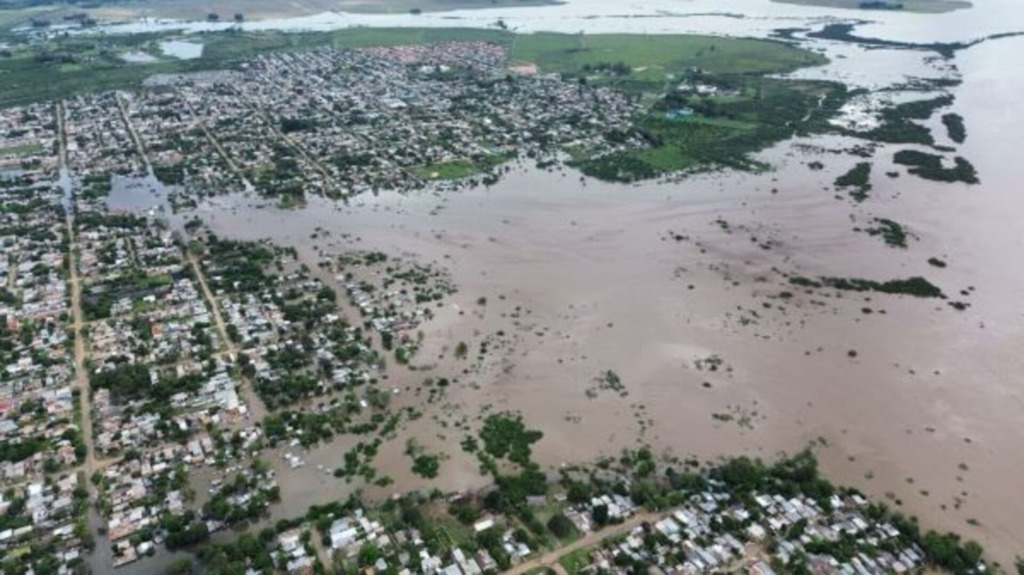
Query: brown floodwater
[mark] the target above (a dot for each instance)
(600, 285)
(582, 276)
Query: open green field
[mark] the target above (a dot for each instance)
(574, 562)
(652, 58)
(453, 170)
(10, 18)
(460, 168)
(19, 151)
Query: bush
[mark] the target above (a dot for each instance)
(561, 526)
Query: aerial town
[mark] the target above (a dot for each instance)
(340, 123)
(156, 377)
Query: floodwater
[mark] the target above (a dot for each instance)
(139, 194)
(181, 49)
(910, 400)
(734, 17)
(138, 58)
(600, 286)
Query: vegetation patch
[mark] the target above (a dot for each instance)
(955, 127)
(607, 381)
(891, 232)
(506, 436)
(459, 169)
(899, 123)
(916, 286)
(858, 178)
(929, 167)
(728, 118)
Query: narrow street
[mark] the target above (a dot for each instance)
(82, 384)
(249, 395)
(78, 322)
(252, 400)
(321, 552)
(221, 151)
(141, 149)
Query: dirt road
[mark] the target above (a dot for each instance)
(551, 558)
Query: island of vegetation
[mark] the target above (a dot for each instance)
(955, 127)
(919, 6)
(916, 286)
(930, 167)
(859, 179)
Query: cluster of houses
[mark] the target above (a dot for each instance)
(404, 551)
(619, 508)
(341, 122)
(281, 343)
(715, 533)
(45, 510)
(42, 494)
(97, 139)
(395, 296)
(38, 426)
(28, 138)
(294, 555)
(37, 415)
(138, 494)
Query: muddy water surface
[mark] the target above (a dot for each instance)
(907, 399)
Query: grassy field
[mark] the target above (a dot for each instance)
(11, 18)
(575, 561)
(655, 57)
(453, 170)
(18, 151)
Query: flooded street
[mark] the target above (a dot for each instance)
(679, 288)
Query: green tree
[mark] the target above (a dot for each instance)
(560, 525)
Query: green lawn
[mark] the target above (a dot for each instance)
(453, 170)
(461, 168)
(18, 151)
(575, 561)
